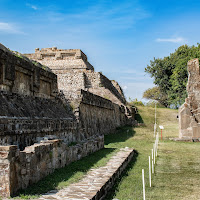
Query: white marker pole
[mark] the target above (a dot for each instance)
(143, 184)
(150, 171)
(155, 122)
(152, 163)
(155, 113)
(157, 145)
(154, 154)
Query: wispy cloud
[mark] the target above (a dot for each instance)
(9, 28)
(173, 40)
(124, 87)
(32, 6)
(102, 16)
(135, 90)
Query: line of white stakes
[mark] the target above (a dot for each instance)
(152, 162)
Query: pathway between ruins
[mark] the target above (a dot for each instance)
(96, 184)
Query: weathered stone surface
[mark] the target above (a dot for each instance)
(40, 118)
(20, 168)
(189, 112)
(21, 75)
(75, 73)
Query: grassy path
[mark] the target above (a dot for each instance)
(177, 172)
(178, 164)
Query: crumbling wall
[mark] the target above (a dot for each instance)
(39, 123)
(56, 59)
(100, 85)
(19, 169)
(189, 112)
(20, 75)
(75, 72)
(33, 110)
(99, 115)
(29, 103)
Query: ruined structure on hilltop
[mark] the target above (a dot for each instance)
(46, 124)
(189, 112)
(75, 72)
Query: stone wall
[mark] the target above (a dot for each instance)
(100, 85)
(71, 81)
(33, 109)
(39, 121)
(56, 59)
(75, 72)
(189, 112)
(30, 104)
(19, 75)
(18, 169)
(99, 115)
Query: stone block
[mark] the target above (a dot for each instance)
(196, 131)
(189, 112)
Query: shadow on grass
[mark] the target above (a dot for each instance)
(122, 134)
(52, 181)
(115, 188)
(139, 118)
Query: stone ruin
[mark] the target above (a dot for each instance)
(189, 112)
(74, 72)
(55, 109)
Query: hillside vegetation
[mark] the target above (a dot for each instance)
(170, 76)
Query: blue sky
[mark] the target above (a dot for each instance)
(119, 37)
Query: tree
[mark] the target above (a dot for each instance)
(155, 94)
(170, 74)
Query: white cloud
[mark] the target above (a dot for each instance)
(5, 26)
(32, 6)
(101, 16)
(124, 87)
(9, 28)
(173, 40)
(136, 90)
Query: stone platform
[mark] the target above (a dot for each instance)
(96, 184)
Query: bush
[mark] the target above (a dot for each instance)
(152, 104)
(135, 102)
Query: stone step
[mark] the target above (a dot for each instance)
(97, 182)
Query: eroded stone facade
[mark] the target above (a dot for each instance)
(189, 112)
(47, 123)
(75, 72)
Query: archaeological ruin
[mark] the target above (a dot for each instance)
(55, 109)
(189, 112)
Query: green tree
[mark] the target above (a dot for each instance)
(170, 74)
(135, 102)
(155, 94)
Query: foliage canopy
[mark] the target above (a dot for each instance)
(170, 76)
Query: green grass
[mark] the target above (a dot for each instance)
(176, 172)
(130, 185)
(178, 165)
